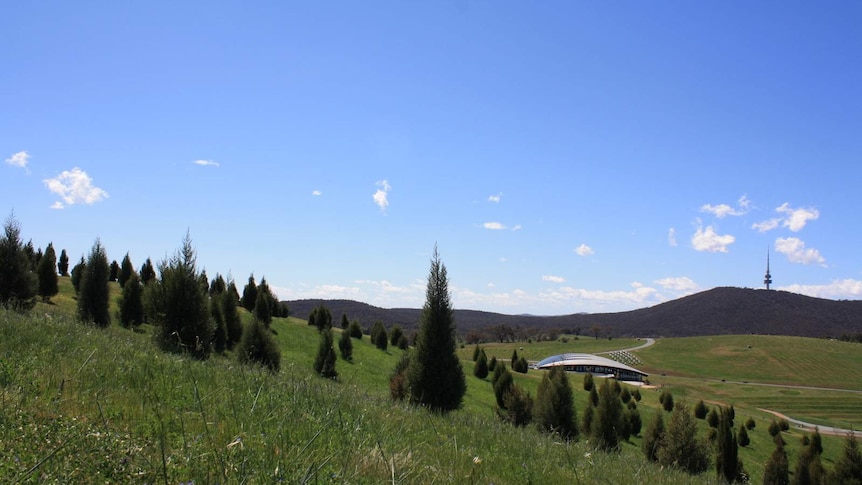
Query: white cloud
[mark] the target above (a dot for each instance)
(553, 279)
(794, 249)
(710, 241)
(797, 218)
(495, 198)
(671, 237)
(57, 205)
(316, 192)
(766, 225)
(381, 197)
(584, 250)
(19, 159)
(723, 210)
(206, 163)
(680, 283)
(492, 285)
(75, 187)
(837, 289)
(517, 227)
(494, 226)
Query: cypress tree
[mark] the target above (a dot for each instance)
(355, 330)
(324, 363)
(345, 346)
(727, 460)
(502, 381)
(742, 436)
(114, 271)
(492, 364)
(518, 409)
(777, 471)
(378, 335)
(653, 437)
(848, 468)
(218, 285)
(233, 324)
(434, 377)
(94, 294)
(681, 446)
(220, 338)
(63, 264)
(78, 274)
(395, 335)
(321, 318)
(47, 274)
(126, 270)
(263, 303)
(700, 410)
(609, 418)
(480, 369)
(249, 294)
(588, 382)
(131, 302)
(179, 305)
(476, 351)
(554, 407)
(18, 282)
(344, 322)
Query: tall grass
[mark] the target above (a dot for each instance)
(86, 405)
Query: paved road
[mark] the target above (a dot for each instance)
(808, 426)
(649, 342)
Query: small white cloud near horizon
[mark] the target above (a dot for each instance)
(584, 250)
(671, 237)
(553, 279)
(19, 160)
(74, 187)
(680, 283)
(794, 249)
(837, 289)
(495, 198)
(316, 192)
(381, 197)
(206, 163)
(707, 240)
(494, 226)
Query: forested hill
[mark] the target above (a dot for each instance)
(725, 310)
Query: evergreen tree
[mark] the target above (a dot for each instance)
(398, 380)
(93, 298)
(634, 419)
(434, 377)
(513, 359)
(681, 447)
(609, 418)
(220, 337)
(249, 294)
(588, 382)
(126, 270)
(587, 420)
(47, 273)
(666, 400)
(594, 397)
(700, 410)
(32, 256)
(502, 382)
(476, 351)
(742, 437)
(403, 343)
(63, 264)
(555, 407)
(78, 274)
(321, 318)
(776, 471)
(378, 335)
(218, 286)
(114, 272)
(480, 369)
(131, 302)
(355, 330)
(233, 324)
(809, 468)
(324, 363)
(345, 346)
(848, 468)
(344, 322)
(653, 437)
(395, 335)
(518, 406)
(727, 459)
(264, 303)
(257, 346)
(492, 364)
(18, 282)
(179, 305)
(148, 272)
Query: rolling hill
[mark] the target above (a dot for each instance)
(723, 310)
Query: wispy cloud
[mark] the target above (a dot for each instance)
(671, 237)
(723, 210)
(495, 198)
(796, 252)
(19, 159)
(494, 226)
(793, 219)
(708, 240)
(316, 192)
(381, 197)
(553, 279)
(74, 187)
(206, 163)
(846, 288)
(583, 250)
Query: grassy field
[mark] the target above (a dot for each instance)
(84, 405)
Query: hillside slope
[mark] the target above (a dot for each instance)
(725, 310)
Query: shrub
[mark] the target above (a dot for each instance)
(355, 330)
(712, 418)
(666, 400)
(785, 426)
(518, 406)
(681, 447)
(480, 369)
(742, 437)
(398, 379)
(131, 302)
(635, 423)
(324, 362)
(750, 424)
(774, 428)
(378, 335)
(588, 382)
(625, 395)
(609, 422)
(502, 382)
(258, 347)
(637, 395)
(653, 437)
(700, 410)
(345, 346)
(93, 298)
(554, 408)
(520, 365)
(396, 335)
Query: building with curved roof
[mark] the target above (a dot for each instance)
(593, 364)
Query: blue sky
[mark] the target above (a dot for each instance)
(564, 156)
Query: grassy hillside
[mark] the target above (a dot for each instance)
(83, 405)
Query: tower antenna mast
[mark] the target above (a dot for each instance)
(767, 279)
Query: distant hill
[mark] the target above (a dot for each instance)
(718, 311)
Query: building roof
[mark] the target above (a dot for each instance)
(585, 359)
